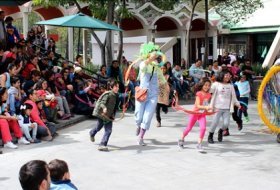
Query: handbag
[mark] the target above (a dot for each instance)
(141, 94)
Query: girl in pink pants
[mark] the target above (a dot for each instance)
(201, 105)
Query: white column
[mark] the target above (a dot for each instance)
(183, 44)
(85, 46)
(149, 35)
(196, 48)
(25, 24)
(215, 47)
(70, 44)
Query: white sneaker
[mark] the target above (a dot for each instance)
(10, 145)
(22, 140)
(199, 148)
(141, 142)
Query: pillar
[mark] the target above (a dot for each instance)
(70, 44)
(215, 47)
(183, 44)
(85, 45)
(25, 24)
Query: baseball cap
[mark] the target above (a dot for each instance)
(77, 69)
(41, 93)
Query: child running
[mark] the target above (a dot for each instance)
(26, 125)
(223, 102)
(201, 105)
(105, 110)
(244, 90)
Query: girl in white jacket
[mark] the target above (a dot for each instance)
(26, 125)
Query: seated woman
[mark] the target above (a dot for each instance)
(5, 78)
(64, 89)
(64, 110)
(85, 93)
(102, 76)
(52, 99)
(30, 66)
(8, 122)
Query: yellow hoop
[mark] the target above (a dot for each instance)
(273, 70)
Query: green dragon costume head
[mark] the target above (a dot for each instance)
(147, 48)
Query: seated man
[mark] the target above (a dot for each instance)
(196, 71)
(181, 85)
(35, 175)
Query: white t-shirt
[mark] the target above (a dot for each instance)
(223, 96)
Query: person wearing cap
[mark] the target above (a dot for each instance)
(12, 32)
(49, 105)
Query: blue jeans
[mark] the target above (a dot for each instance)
(42, 132)
(108, 130)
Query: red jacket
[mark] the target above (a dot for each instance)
(35, 114)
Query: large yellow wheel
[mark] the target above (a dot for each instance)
(272, 71)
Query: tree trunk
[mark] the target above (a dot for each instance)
(194, 3)
(206, 53)
(110, 20)
(101, 46)
(120, 47)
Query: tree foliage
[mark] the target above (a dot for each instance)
(234, 11)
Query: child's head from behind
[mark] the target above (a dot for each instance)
(204, 85)
(58, 170)
(113, 85)
(25, 109)
(15, 82)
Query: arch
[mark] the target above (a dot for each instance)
(131, 24)
(87, 11)
(199, 24)
(10, 9)
(165, 23)
(45, 12)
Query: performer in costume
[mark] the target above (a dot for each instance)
(150, 76)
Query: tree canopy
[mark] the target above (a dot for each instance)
(234, 11)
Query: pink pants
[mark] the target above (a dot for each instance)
(192, 120)
(5, 127)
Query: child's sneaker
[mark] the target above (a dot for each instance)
(36, 141)
(103, 148)
(181, 143)
(22, 140)
(92, 138)
(10, 145)
(137, 131)
(247, 119)
(199, 148)
(239, 127)
(141, 142)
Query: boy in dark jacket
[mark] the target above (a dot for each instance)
(105, 110)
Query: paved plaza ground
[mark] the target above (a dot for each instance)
(249, 159)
